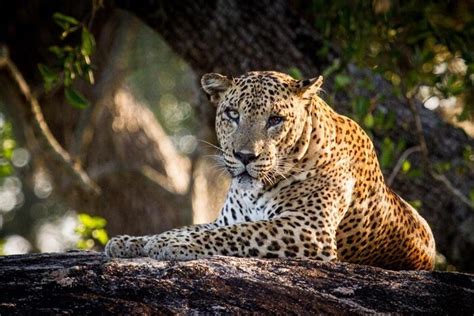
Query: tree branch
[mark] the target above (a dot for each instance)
(426, 157)
(54, 148)
(400, 161)
(88, 283)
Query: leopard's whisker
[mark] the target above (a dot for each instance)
(211, 145)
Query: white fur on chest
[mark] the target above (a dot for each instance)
(257, 204)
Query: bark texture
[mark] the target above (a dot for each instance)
(88, 283)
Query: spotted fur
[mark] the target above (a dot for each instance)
(306, 184)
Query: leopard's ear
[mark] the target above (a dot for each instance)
(309, 87)
(215, 85)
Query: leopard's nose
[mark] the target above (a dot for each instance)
(245, 157)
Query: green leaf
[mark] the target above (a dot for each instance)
(369, 121)
(69, 76)
(387, 153)
(471, 196)
(86, 244)
(415, 173)
(85, 219)
(361, 106)
(341, 81)
(57, 51)
(401, 145)
(295, 73)
(101, 236)
(88, 42)
(5, 170)
(75, 98)
(91, 230)
(390, 120)
(416, 203)
(336, 64)
(64, 21)
(406, 165)
(77, 67)
(8, 145)
(456, 87)
(92, 222)
(49, 76)
(99, 222)
(442, 166)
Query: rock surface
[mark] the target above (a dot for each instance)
(87, 282)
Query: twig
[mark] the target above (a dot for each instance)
(426, 157)
(56, 150)
(443, 179)
(400, 161)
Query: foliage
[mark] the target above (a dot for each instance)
(295, 73)
(441, 264)
(409, 43)
(389, 151)
(416, 203)
(91, 230)
(7, 146)
(418, 48)
(72, 60)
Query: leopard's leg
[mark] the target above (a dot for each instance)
(303, 226)
(186, 230)
(125, 246)
(133, 246)
(279, 237)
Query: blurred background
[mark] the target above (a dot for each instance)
(104, 129)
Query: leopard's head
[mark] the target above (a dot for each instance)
(263, 123)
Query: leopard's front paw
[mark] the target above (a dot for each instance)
(125, 247)
(170, 250)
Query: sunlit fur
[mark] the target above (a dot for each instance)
(313, 187)
(274, 146)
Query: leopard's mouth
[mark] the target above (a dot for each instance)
(244, 175)
(245, 181)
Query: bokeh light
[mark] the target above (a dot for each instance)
(58, 235)
(42, 184)
(16, 244)
(20, 157)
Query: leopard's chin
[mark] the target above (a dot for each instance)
(245, 181)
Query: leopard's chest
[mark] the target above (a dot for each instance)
(260, 204)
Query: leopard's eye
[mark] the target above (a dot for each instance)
(233, 115)
(274, 120)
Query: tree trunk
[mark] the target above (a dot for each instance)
(88, 283)
(118, 139)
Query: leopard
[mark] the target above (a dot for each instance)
(306, 183)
